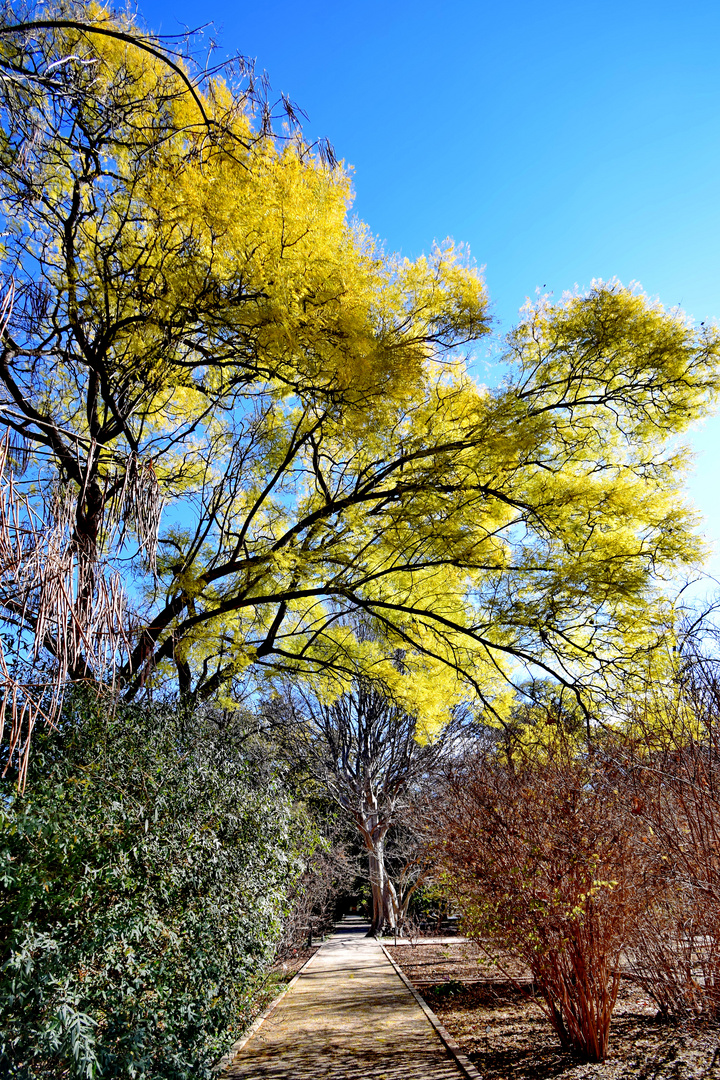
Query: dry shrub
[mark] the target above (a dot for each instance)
(330, 871)
(542, 853)
(671, 771)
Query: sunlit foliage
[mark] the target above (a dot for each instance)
(197, 311)
(146, 874)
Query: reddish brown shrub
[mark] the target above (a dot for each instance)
(671, 772)
(542, 853)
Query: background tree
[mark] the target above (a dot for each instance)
(332, 871)
(370, 755)
(537, 706)
(197, 326)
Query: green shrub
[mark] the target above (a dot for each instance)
(145, 878)
(448, 989)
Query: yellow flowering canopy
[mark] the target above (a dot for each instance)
(270, 425)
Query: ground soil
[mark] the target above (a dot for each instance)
(506, 1036)
(293, 961)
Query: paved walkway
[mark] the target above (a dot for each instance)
(348, 1017)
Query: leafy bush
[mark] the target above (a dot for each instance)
(448, 989)
(146, 871)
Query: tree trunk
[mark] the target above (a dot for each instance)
(384, 897)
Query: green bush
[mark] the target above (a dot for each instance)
(448, 989)
(145, 878)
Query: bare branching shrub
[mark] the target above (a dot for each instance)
(541, 852)
(409, 859)
(671, 772)
(331, 871)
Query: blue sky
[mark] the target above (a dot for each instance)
(561, 141)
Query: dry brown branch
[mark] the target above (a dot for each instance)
(671, 772)
(66, 618)
(6, 306)
(138, 504)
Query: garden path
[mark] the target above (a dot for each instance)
(349, 1016)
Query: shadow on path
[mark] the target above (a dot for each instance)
(348, 1017)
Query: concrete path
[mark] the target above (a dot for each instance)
(348, 1017)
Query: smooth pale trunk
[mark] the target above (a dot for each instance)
(384, 896)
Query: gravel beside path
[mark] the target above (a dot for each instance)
(348, 1017)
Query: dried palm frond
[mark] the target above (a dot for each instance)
(6, 306)
(68, 617)
(138, 504)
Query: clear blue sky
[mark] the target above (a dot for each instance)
(562, 141)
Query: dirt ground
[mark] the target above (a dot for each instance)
(285, 969)
(507, 1037)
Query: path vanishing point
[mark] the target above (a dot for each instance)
(348, 1016)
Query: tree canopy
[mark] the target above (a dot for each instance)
(221, 385)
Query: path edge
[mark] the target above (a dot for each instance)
(229, 1056)
(446, 1038)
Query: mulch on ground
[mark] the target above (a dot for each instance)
(505, 1034)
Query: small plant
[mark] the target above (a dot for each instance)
(450, 988)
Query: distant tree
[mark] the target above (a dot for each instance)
(370, 755)
(538, 707)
